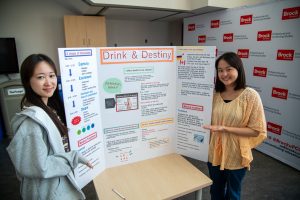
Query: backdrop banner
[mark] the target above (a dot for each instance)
(266, 37)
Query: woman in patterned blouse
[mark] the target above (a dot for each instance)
(238, 125)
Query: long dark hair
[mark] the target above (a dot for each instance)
(234, 61)
(31, 98)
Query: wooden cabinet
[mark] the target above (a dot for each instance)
(85, 31)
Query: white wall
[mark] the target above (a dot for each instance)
(176, 33)
(37, 26)
(134, 33)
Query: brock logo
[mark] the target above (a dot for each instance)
(243, 53)
(214, 23)
(290, 13)
(246, 19)
(201, 38)
(191, 27)
(228, 37)
(274, 128)
(264, 35)
(285, 54)
(260, 71)
(279, 93)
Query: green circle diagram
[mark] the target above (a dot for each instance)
(112, 85)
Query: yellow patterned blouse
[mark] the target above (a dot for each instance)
(228, 150)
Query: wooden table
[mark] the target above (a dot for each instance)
(165, 177)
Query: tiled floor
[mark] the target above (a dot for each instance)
(268, 179)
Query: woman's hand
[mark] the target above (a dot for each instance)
(246, 132)
(214, 128)
(89, 164)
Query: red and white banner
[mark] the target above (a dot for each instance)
(267, 38)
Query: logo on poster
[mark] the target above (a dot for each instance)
(201, 38)
(279, 93)
(264, 35)
(246, 19)
(191, 27)
(285, 54)
(260, 71)
(228, 37)
(243, 53)
(274, 128)
(290, 13)
(214, 23)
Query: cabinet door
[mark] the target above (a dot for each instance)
(83, 31)
(96, 31)
(75, 31)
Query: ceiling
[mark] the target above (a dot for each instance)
(86, 7)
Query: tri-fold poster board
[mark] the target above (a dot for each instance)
(127, 104)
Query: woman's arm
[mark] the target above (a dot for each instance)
(30, 155)
(247, 132)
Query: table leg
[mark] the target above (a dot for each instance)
(199, 195)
